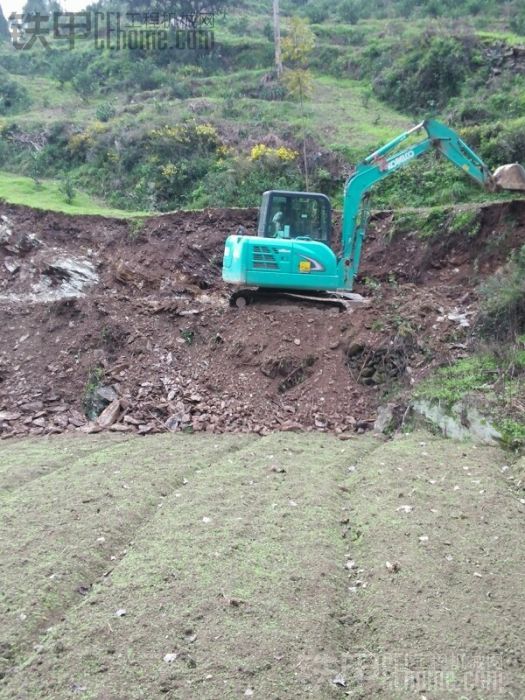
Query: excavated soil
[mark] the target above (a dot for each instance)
(99, 311)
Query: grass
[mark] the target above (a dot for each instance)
(258, 564)
(72, 510)
(483, 379)
(437, 221)
(18, 189)
(453, 593)
(348, 117)
(219, 537)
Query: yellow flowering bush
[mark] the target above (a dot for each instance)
(168, 170)
(79, 143)
(194, 135)
(286, 155)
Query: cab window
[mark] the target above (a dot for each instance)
(293, 216)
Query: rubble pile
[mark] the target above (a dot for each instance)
(126, 326)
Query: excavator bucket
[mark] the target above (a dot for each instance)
(510, 177)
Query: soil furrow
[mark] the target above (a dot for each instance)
(63, 531)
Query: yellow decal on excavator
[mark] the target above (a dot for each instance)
(305, 266)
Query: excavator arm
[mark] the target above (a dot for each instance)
(382, 163)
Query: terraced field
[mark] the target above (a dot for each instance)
(288, 566)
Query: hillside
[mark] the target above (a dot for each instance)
(268, 494)
(164, 129)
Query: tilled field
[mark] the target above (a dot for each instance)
(132, 318)
(286, 566)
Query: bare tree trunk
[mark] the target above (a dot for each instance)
(277, 37)
(305, 159)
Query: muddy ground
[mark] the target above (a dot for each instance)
(287, 566)
(133, 317)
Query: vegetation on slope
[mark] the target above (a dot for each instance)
(163, 129)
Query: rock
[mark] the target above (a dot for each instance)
(120, 428)
(393, 567)
(109, 415)
(173, 423)
(385, 417)
(363, 424)
(76, 419)
(181, 418)
(90, 428)
(291, 426)
(106, 393)
(40, 422)
(5, 231)
(11, 265)
(354, 348)
(61, 421)
(32, 406)
(9, 415)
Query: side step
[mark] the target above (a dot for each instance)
(344, 301)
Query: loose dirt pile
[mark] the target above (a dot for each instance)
(109, 324)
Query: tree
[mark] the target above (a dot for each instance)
(296, 48)
(277, 37)
(33, 6)
(4, 27)
(180, 8)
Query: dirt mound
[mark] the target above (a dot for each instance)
(133, 318)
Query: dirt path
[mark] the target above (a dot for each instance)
(227, 566)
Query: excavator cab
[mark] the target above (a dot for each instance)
(304, 216)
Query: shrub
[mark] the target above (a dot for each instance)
(502, 315)
(13, 97)
(317, 12)
(105, 112)
(349, 11)
(425, 77)
(67, 189)
(83, 84)
(517, 21)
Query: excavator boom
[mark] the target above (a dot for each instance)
(383, 163)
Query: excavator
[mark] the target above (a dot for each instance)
(292, 257)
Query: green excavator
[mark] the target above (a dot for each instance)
(291, 256)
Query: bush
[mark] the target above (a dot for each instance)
(67, 189)
(145, 75)
(105, 112)
(502, 315)
(13, 97)
(517, 21)
(349, 11)
(317, 12)
(180, 89)
(425, 77)
(240, 25)
(498, 142)
(83, 84)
